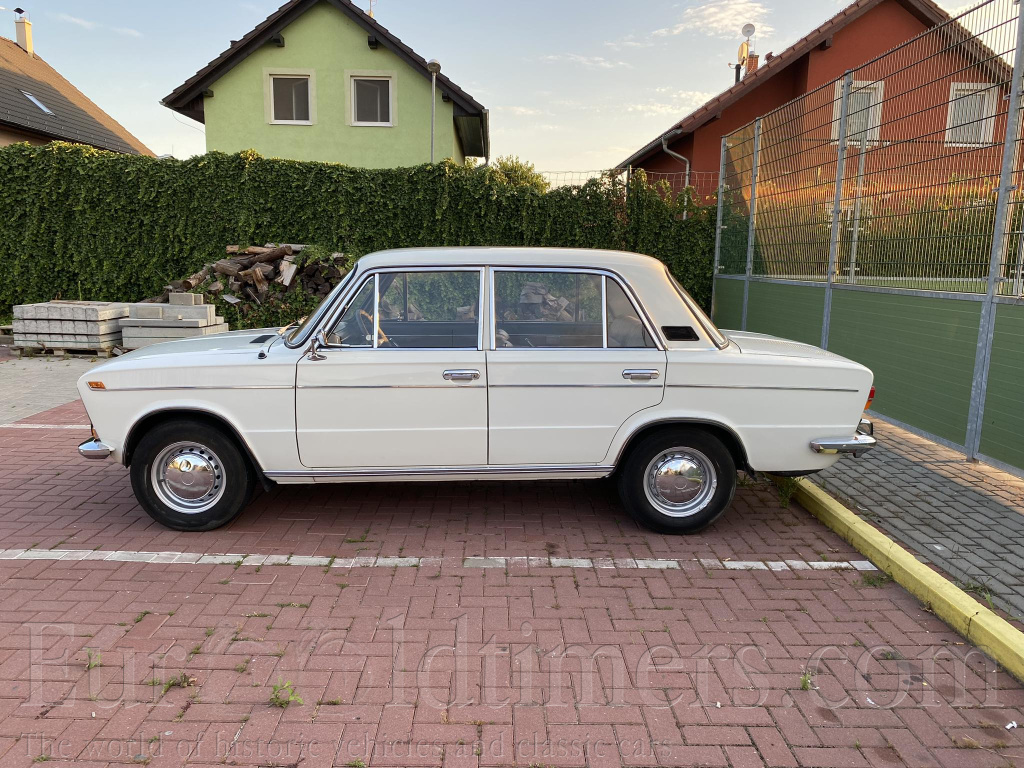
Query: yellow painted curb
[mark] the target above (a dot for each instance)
(980, 625)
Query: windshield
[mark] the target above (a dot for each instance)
(716, 335)
(299, 334)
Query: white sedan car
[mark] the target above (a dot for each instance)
(478, 364)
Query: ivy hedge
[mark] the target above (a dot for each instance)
(80, 223)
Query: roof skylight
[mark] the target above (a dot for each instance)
(37, 102)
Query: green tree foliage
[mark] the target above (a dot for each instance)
(519, 173)
(80, 223)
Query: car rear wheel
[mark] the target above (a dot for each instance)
(678, 481)
(190, 476)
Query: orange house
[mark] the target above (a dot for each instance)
(856, 35)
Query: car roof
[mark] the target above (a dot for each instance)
(512, 257)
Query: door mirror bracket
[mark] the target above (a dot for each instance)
(317, 343)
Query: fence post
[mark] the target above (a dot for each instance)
(750, 224)
(837, 200)
(983, 352)
(855, 237)
(718, 225)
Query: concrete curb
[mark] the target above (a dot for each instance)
(978, 624)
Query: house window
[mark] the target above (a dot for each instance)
(371, 101)
(970, 119)
(863, 112)
(289, 96)
(37, 102)
(291, 99)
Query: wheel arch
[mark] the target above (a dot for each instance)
(722, 432)
(163, 415)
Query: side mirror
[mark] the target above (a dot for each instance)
(318, 342)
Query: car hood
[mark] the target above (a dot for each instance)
(230, 342)
(763, 344)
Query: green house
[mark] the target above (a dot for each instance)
(322, 80)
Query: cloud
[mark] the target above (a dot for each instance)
(95, 25)
(629, 41)
(69, 19)
(677, 104)
(721, 18)
(521, 111)
(590, 62)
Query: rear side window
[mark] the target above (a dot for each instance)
(566, 310)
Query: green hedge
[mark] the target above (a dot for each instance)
(80, 223)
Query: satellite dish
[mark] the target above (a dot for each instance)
(741, 54)
(748, 30)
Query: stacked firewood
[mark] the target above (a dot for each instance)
(246, 274)
(536, 302)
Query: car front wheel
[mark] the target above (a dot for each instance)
(678, 481)
(190, 476)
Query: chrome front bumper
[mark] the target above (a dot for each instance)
(94, 449)
(858, 443)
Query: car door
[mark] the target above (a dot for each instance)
(571, 360)
(403, 380)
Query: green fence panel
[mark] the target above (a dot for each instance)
(1002, 429)
(728, 309)
(790, 311)
(921, 350)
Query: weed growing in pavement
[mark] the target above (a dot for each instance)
(981, 591)
(41, 758)
(284, 694)
(181, 680)
(209, 631)
(141, 616)
(330, 702)
(93, 659)
(256, 615)
(890, 655)
(805, 681)
(240, 668)
(786, 487)
(357, 763)
(196, 649)
(879, 579)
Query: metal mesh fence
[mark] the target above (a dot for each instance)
(889, 175)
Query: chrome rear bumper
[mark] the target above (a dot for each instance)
(94, 449)
(858, 443)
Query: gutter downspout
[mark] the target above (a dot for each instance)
(676, 155)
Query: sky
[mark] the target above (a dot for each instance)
(571, 85)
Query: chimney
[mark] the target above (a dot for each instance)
(23, 28)
(751, 63)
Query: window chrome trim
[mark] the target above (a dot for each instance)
(713, 333)
(333, 315)
(627, 289)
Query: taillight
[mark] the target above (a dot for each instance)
(871, 396)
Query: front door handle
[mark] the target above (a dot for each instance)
(462, 374)
(641, 374)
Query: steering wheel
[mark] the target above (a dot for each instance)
(366, 325)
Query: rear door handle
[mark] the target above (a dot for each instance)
(641, 374)
(462, 374)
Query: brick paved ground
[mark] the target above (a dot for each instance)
(456, 666)
(965, 517)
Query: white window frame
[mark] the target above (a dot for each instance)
(874, 134)
(350, 77)
(988, 123)
(268, 93)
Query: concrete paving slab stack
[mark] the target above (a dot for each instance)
(183, 317)
(84, 326)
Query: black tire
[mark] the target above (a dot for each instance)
(692, 448)
(214, 457)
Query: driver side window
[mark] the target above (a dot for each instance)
(355, 328)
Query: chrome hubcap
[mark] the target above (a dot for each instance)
(680, 482)
(188, 477)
